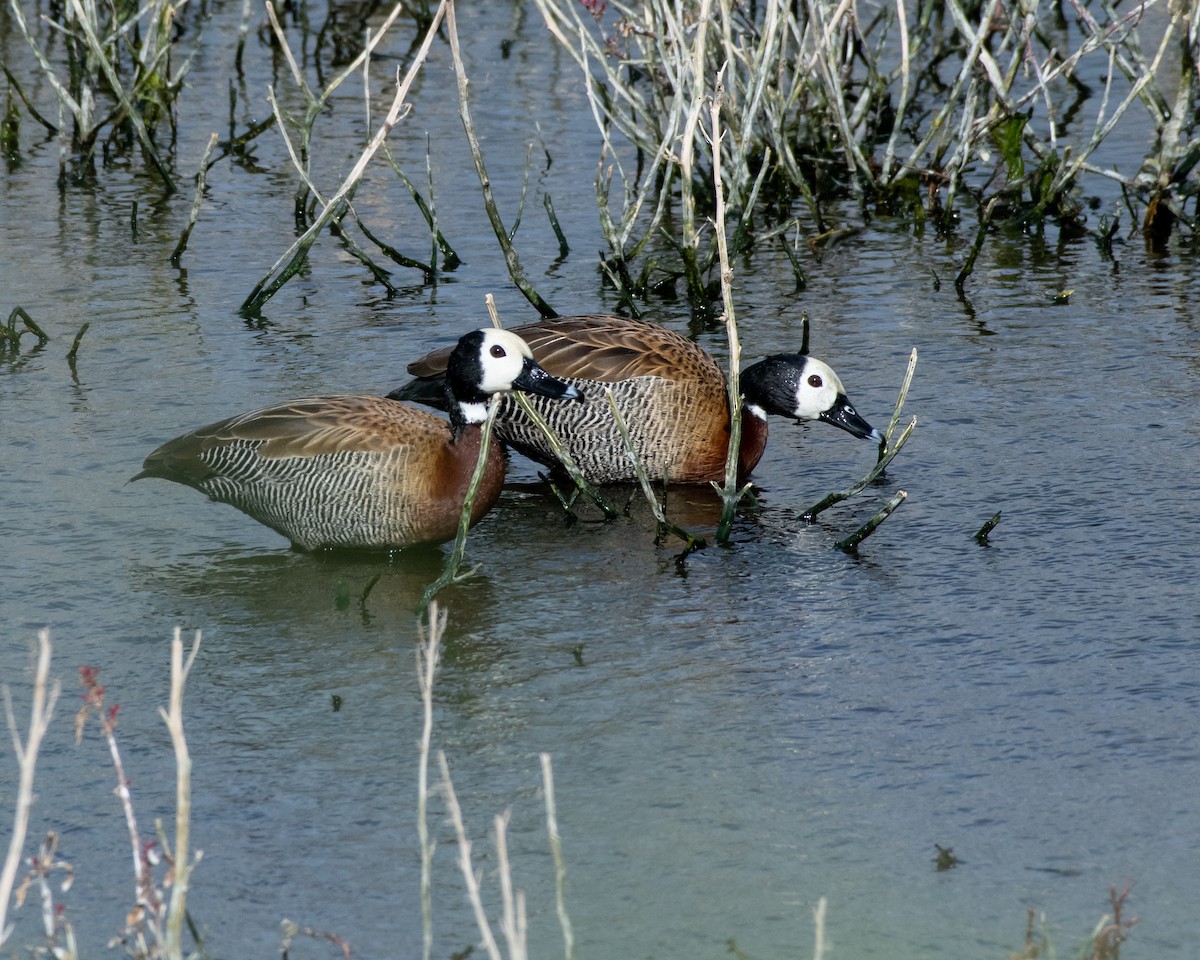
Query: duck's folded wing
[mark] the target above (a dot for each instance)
(309, 427)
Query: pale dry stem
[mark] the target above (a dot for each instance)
(181, 854)
(45, 696)
(560, 869)
(429, 653)
(470, 876)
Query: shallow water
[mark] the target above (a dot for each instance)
(771, 723)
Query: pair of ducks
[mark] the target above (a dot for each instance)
(375, 472)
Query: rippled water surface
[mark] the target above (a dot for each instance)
(732, 738)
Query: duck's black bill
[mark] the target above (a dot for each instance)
(843, 415)
(533, 379)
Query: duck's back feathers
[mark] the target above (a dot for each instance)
(594, 347)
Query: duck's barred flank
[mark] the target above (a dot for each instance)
(663, 432)
(350, 499)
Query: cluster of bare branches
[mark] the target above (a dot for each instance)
(909, 105)
(153, 928)
(117, 75)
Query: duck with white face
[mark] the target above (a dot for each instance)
(363, 472)
(804, 388)
(671, 393)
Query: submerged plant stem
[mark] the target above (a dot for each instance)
(180, 247)
(981, 535)
(450, 574)
(858, 536)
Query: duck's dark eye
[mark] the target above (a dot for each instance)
(815, 381)
(498, 351)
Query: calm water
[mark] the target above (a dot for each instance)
(774, 723)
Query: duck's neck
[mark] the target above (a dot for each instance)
(465, 414)
(754, 438)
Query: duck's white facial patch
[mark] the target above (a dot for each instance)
(816, 390)
(502, 356)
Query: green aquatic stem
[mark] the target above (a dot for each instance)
(564, 248)
(180, 247)
(692, 543)
(236, 144)
(73, 353)
(50, 127)
(812, 512)
(515, 271)
(982, 534)
(10, 336)
(450, 574)
(900, 399)
(850, 543)
(450, 259)
(985, 222)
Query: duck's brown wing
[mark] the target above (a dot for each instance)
(309, 427)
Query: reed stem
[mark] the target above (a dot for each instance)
(201, 175)
(450, 574)
(503, 236)
(560, 869)
(181, 854)
(45, 696)
(691, 543)
(429, 652)
(850, 543)
(731, 495)
(982, 534)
